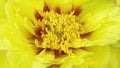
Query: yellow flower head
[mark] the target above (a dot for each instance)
(60, 33)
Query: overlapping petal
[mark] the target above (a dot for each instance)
(20, 45)
(109, 32)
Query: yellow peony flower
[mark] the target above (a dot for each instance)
(59, 34)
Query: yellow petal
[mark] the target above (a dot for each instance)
(93, 13)
(20, 58)
(114, 60)
(29, 26)
(5, 36)
(77, 59)
(79, 3)
(64, 5)
(109, 32)
(98, 58)
(27, 7)
(2, 10)
(3, 57)
(81, 43)
(118, 2)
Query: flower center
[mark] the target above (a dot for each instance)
(58, 31)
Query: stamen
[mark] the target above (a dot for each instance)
(58, 31)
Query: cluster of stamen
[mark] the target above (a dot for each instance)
(57, 31)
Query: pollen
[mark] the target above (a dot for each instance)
(58, 31)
